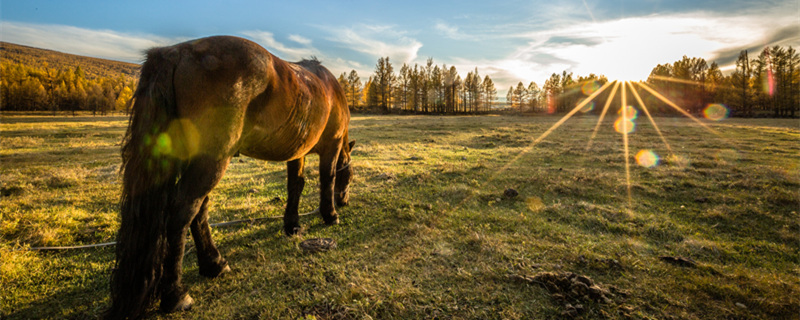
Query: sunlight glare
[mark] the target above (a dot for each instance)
(647, 158)
(624, 125)
(677, 108)
(590, 87)
(534, 203)
(716, 112)
(679, 161)
(571, 113)
(630, 112)
(603, 114)
(727, 156)
(649, 117)
(589, 107)
(627, 153)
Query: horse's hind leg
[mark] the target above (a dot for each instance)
(210, 262)
(295, 183)
(193, 188)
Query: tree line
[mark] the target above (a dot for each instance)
(25, 87)
(419, 89)
(767, 85)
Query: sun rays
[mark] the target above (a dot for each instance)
(625, 124)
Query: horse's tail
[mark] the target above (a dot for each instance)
(149, 174)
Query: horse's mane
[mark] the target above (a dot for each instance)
(313, 64)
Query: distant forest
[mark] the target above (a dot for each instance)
(33, 79)
(765, 85)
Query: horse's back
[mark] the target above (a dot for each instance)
(239, 97)
(214, 80)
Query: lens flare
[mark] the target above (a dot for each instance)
(603, 114)
(647, 158)
(534, 203)
(551, 104)
(624, 126)
(727, 156)
(625, 146)
(630, 112)
(677, 108)
(185, 138)
(589, 107)
(649, 117)
(163, 145)
(679, 161)
(590, 87)
(769, 83)
(716, 112)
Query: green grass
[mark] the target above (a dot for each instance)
(429, 233)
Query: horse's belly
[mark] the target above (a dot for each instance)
(277, 146)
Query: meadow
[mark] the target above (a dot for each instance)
(708, 230)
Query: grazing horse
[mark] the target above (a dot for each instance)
(197, 104)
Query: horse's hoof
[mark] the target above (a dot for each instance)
(184, 304)
(214, 270)
(291, 231)
(333, 221)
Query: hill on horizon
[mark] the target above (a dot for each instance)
(92, 67)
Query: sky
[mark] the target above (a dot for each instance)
(511, 41)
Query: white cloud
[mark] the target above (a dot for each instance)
(267, 39)
(334, 64)
(378, 41)
(105, 44)
(451, 31)
(300, 39)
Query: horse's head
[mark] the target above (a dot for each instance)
(344, 175)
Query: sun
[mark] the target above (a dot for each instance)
(621, 64)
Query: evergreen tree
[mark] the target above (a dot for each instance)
(402, 92)
(490, 93)
(533, 96)
(354, 90)
(384, 80)
(519, 93)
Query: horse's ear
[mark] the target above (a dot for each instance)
(352, 143)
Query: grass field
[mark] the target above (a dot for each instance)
(710, 232)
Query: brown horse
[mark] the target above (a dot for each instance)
(197, 104)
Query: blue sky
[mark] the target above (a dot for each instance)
(511, 41)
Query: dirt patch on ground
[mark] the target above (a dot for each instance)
(580, 296)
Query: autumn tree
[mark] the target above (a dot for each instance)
(31, 88)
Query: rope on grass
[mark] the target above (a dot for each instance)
(108, 244)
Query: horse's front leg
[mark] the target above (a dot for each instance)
(295, 183)
(327, 173)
